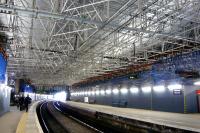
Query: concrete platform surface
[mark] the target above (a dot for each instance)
(10, 120)
(183, 121)
(29, 122)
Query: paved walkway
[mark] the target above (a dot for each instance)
(29, 122)
(10, 120)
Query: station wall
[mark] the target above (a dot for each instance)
(4, 99)
(4, 90)
(165, 72)
(160, 101)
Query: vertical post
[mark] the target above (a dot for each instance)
(134, 50)
(185, 101)
(151, 99)
(108, 9)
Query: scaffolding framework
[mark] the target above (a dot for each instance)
(68, 41)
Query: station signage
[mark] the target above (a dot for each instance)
(177, 91)
(198, 92)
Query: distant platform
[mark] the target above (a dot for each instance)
(176, 120)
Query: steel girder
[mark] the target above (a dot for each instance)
(73, 40)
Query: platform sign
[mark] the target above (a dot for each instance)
(177, 91)
(86, 99)
(198, 92)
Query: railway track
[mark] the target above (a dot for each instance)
(58, 117)
(48, 122)
(54, 120)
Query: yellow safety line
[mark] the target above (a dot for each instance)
(22, 123)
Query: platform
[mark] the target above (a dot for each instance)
(29, 122)
(177, 120)
(9, 120)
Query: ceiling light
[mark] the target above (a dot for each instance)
(197, 83)
(115, 91)
(124, 90)
(89, 93)
(146, 89)
(102, 92)
(174, 86)
(159, 88)
(93, 92)
(82, 93)
(108, 91)
(134, 90)
(97, 92)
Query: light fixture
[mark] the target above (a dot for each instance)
(124, 90)
(93, 92)
(97, 92)
(146, 89)
(89, 93)
(174, 86)
(115, 91)
(108, 91)
(159, 88)
(82, 93)
(197, 83)
(134, 90)
(102, 92)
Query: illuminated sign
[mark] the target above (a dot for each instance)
(177, 91)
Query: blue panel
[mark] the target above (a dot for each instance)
(3, 64)
(191, 98)
(139, 100)
(26, 87)
(167, 101)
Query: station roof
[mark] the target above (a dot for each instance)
(69, 41)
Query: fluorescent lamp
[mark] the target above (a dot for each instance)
(124, 91)
(97, 92)
(197, 83)
(115, 91)
(102, 92)
(174, 86)
(89, 93)
(108, 91)
(134, 90)
(93, 92)
(159, 88)
(146, 89)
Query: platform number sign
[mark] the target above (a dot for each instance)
(177, 91)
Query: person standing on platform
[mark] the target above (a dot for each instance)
(21, 102)
(27, 101)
